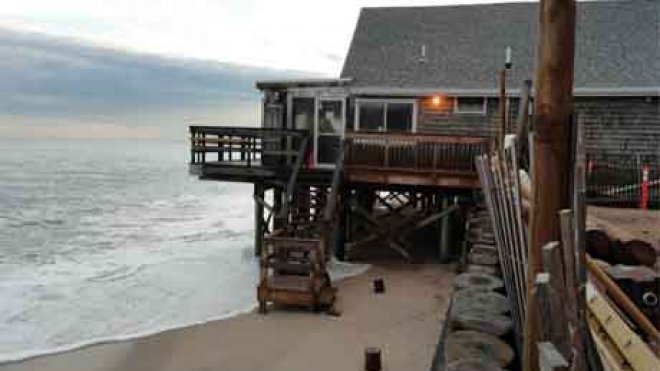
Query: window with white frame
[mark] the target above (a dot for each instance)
(391, 115)
(470, 105)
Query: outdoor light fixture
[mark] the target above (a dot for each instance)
(436, 100)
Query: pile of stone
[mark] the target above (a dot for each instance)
(479, 320)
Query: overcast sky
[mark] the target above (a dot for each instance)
(290, 34)
(149, 68)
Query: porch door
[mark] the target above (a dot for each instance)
(329, 131)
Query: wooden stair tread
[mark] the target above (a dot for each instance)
(296, 268)
(288, 282)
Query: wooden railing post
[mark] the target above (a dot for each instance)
(192, 145)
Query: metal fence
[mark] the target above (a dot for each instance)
(617, 180)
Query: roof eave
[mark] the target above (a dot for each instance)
(578, 92)
(301, 83)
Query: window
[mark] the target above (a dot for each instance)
(371, 116)
(330, 120)
(303, 113)
(399, 116)
(472, 105)
(385, 115)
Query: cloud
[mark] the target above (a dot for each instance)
(49, 81)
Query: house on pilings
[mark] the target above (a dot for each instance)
(383, 151)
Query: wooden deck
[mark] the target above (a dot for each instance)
(251, 155)
(413, 159)
(270, 155)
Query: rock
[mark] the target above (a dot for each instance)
(481, 320)
(491, 270)
(488, 301)
(473, 345)
(484, 257)
(473, 365)
(478, 281)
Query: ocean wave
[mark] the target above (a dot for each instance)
(338, 271)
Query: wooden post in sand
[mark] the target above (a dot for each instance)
(552, 144)
(444, 232)
(258, 218)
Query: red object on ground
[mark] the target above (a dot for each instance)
(644, 204)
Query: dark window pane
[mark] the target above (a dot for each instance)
(470, 105)
(303, 113)
(328, 148)
(350, 114)
(371, 116)
(399, 116)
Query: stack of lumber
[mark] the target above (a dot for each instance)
(479, 321)
(619, 347)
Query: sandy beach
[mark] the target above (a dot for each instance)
(405, 322)
(637, 223)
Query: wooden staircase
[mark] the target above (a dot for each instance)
(293, 258)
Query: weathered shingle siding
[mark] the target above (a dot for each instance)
(614, 126)
(443, 120)
(621, 125)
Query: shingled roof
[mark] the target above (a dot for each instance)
(617, 46)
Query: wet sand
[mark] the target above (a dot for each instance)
(405, 322)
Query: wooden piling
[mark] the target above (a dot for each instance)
(444, 232)
(258, 218)
(552, 143)
(372, 359)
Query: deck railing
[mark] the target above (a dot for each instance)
(413, 152)
(247, 147)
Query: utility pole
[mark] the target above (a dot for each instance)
(553, 110)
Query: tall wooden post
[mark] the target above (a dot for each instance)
(552, 144)
(258, 218)
(278, 220)
(444, 231)
(501, 132)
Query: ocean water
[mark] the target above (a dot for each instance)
(103, 240)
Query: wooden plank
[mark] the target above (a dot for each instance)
(246, 131)
(215, 149)
(284, 212)
(491, 195)
(552, 260)
(435, 217)
(542, 293)
(572, 287)
(622, 300)
(635, 351)
(354, 175)
(414, 138)
(611, 358)
(550, 359)
(221, 140)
